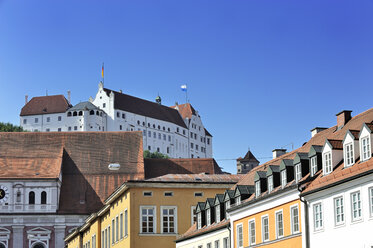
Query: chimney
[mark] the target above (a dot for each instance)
(278, 152)
(343, 117)
(317, 130)
(69, 96)
(26, 99)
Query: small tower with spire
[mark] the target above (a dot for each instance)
(158, 100)
(247, 163)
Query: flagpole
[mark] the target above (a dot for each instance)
(186, 94)
(102, 73)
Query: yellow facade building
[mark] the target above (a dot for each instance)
(148, 213)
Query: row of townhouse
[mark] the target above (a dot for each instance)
(319, 195)
(176, 131)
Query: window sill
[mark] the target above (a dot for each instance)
(318, 230)
(158, 234)
(336, 226)
(357, 221)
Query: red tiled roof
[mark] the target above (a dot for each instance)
(336, 144)
(197, 178)
(45, 105)
(332, 133)
(186, 110)
(83, 159)
(159, 167)
(147, 108)
(193, 231)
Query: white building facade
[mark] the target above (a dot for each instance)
(167, 130)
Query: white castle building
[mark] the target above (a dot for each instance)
(176, 131)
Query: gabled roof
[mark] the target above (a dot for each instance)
(200, 206)
(83, 106)
(335, 144)
(228, 194)
(197, 178)
(209, 203)
(260, 175)
(314, 150)
(353, 133)
(186, 110)
(369, 126)
(286, 163)
(207, 133)
(272, 169)
(244, 190)
(81, 157)
(249, 157)
(158, 167)
(45, 105)
(219, 198)
(299, 157)
(146, 108)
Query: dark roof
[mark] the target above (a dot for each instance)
(194, 232)
(197, 178)
(207, 133)
(84, 106)
(81, 157)
(146, 108)
(158, 167)
(248, 157)
(45, 105)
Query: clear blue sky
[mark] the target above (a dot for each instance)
(261, 73)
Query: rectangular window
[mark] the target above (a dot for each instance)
(365, 148)
(283, 178)
(294, 219)
(159, 136)
(265, 228)
(257, 188)
(94, 241)
(144, 133)
(47, 130)
(270, 184)
(349, 154)
(238, 200)
(116, 229)
(113, 231)
(75, 128)
(168, 218)
(227, 205)
(208, 245)
(104, 105)
(217, 213)
(339, 211)
(102, 239)
(298, 172)
(118, 114)
(164, 137)
(252, 232)
(191, 145)
(208, 217)
(217, 243)
(24, 121)
(225, 243)
(168, 193)
(313, 165)
(60, 119)
(147, 219)
(154, 135)
(198, 194)
(149, 134)
(121, 225)
(169, 138)
(208, 141)
(317, 216)
(108, 236)
(125, 223)
(48, 119)
(36, 120)
(120, 127)
(371, 200)
(356, 206)
(59, 129)
(193, 215)
(279, 225)
(239, 237)
(123, 116)
(147, 193)
(327, 163)
(199, 220)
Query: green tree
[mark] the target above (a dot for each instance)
(148, 154)
(8, 127)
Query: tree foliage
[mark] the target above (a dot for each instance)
(8, 127)
(148, 154)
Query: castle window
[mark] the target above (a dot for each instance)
(123, 116)
(159, 127)
(138, 122)
(75, 113)
(48, 119)
(118, 114)
(68, 114)
(31, 197)
(59, 118)
(43, 197)
(24, 121)
(18, 199)
(92, 112)
(97, 113)
(80, 113)
(36, 120)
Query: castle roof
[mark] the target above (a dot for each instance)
(45, 105)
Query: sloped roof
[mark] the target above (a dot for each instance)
(318, 139)
(194, 232)
(248, 157)
(197, 178)
(84, 106)
(186, 110)
(146, 108)
(158, 167)
(45, 105)
(81, 157)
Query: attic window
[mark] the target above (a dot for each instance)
(169, 193)
(313, 165)
(198, 194)
(365, 148)
(327, 163)
(147, 193)
(270, 184)
(257, 188)
(283, 179)
(349, 154)
(298, 172)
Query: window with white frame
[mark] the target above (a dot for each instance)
(147, 219)
(356, 206)
(257, 188)
(327, 163)
(238, 200)
(239, 236)
(94, 241)
(349, 154)
(270, 183)
(317, 216)
(365, 148)
(217, 243)
(116, 229)
(121, 225)
(294, 219)
(125, 223)
(313, 165)
(283, 178)
(169, 216)
(225, 243)
(113, 231)
(265, 228)
(227, 205)
(252, 232)
(208, 217)
(339, 211)
(279, 225)
(298, 172)
(217, 213)
(371, 200)
(193, 215)
(208, 245)
(199, 220)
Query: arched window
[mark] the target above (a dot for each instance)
(38, 245)
(97, 113)
(68, 114)
(159, 127)
(2, 245)
(80, 113)
(92, 112)
(43, 197)
(31, 197)
(18, 198)
(164, 128)
(75, 113)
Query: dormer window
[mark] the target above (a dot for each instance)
(283, 179)
(257, 188)
(349, 154)
(227, 205)
(365, 148)
(313, 165)
(327, 163)
(217, 213)
(238, 201)
(298, 172)
(208, 217)
(199, 220)
(270, 184)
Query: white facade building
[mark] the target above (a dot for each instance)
(176, 131)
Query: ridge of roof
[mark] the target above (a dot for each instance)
(45, 105)
(249, 156)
